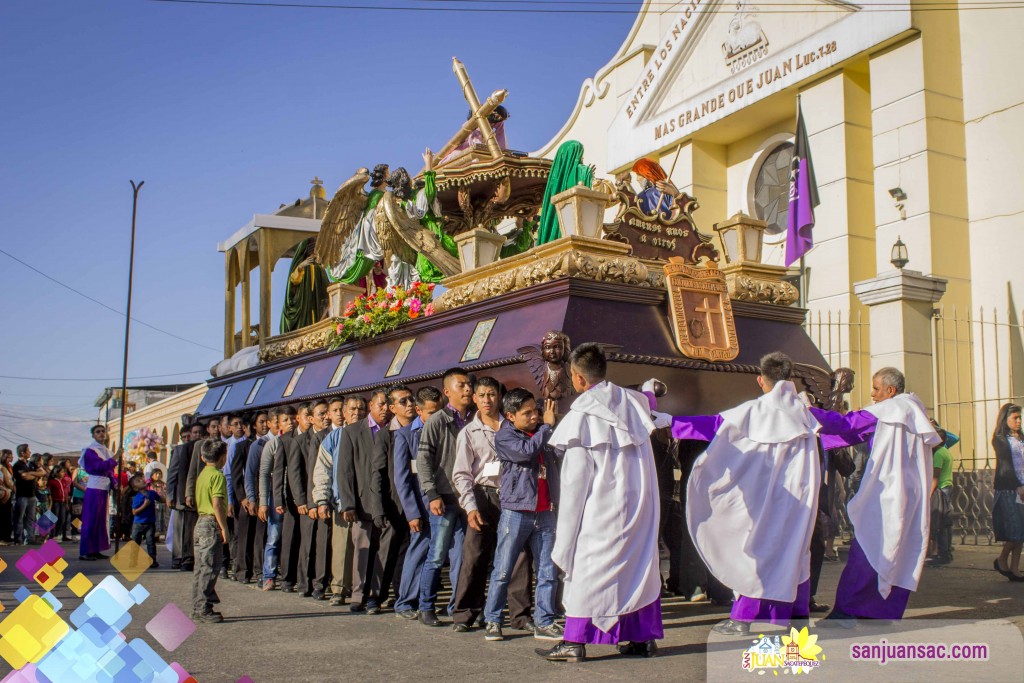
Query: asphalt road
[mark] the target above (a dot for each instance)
(283, 637)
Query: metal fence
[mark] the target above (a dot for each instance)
(842, 338)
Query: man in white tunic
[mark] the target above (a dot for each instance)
(607, 534)
(891, 509)
(752, 499)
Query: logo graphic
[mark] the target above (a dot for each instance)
(796, 653)
(746, 42)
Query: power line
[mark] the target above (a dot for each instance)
(100, 379)
(37, 418)
(97, 301)
(30, 439)
(941, 6)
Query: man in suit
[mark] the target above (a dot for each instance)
(177, 477)
(289, 483)
(245, 527)
(316, 532)
(389, 516)
(357, 502)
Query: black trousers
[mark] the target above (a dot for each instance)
(477, 556)
(185, 524)
(247, 563)
(292, 571)
(817, 553)
(316, 546)
(394, 541)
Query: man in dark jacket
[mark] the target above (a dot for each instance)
(316, 532)
(289, 495)
(358, 503)
(177, 477)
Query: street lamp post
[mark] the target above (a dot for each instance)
(124, 368)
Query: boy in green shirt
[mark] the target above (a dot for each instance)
(942, 489)
(210, 531)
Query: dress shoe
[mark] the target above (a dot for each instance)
(430, 619)
(460, 628)
(646, 648)
(357, 609)
(564, 652)
(731, 627)
(287, 587)
(372, 609)
(837, 618)
(319, 595)
(1005, 572)
(337, 601)
(817, 607)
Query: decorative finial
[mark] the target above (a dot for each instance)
(317, 191)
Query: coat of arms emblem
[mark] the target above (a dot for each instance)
(700, 311)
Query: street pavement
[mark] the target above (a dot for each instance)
(283, 637)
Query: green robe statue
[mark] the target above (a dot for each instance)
(521, 243)
(305, 298)
(567, 171)
(426, 208)
(354, 267)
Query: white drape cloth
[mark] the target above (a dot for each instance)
(96, 481)
(891, 509)
(607, 536)
(752, 497)
(362, 239)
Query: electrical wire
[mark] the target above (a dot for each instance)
(763, 8)
(36, 441)
(97, 301)
(100, 379)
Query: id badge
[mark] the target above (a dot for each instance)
(492, 469)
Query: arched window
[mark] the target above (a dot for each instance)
(771, 188)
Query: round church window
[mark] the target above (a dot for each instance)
(771, 188)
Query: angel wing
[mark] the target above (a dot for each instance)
(403, 236)
(341, 218)
(535, 362)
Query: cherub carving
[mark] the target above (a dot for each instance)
(549, 365)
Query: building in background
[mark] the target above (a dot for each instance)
(162, 413)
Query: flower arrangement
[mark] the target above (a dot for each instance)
(382, 311)
(138, 442)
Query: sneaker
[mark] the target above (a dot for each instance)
(528, 626)
(209, 617)
(319, 595)
(564, 652)
(731, 627)
(460, 628)
(408, 614)
(493, 632)
(372, 609)
(268, 585)
(337, 601)
(550, 632)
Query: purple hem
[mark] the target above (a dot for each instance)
(774, 611)
(858, 595)
(639, 626)
(94, 522)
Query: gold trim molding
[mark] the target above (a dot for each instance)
(578, 257)
(759, 283)
(296, 342)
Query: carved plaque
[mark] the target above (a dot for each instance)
(700, 311)
(660, 234)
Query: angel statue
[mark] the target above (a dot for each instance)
(374, 234)
(549, 365)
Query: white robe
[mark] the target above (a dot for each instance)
(752, 497)
(891, 509)
(95, 481)
(606, 541)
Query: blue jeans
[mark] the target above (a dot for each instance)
(412, 570)
(147, 532)
(447, 532)
(515, 530)
(272, 552)
(24, 519)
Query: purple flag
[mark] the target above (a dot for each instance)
(803, 196)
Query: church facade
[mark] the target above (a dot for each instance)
(913, 112)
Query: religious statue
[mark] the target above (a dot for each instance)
(497, 120)
(567, 171)
(549, 365)
(421, 205)
(655, 193)
(305, 299)
(373, 234)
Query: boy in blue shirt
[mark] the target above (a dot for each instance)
(144, 508)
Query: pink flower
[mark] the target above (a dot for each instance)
(366, 319)
(340, 326)
(415, 305)
(429, 310)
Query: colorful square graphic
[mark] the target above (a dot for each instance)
(131, 561)
(170, 627)
(30, 631)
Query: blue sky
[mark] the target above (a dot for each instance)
(224, 112)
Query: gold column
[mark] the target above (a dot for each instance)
(265, 272)
(229, 306)
(246, 261)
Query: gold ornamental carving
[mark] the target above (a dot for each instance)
(300, 341)
(576, 257)
(700, 311)
(759, 283)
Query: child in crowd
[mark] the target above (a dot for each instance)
(529, 488)
(211, 531)
(144, 503)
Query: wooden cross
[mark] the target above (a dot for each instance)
(708, 312)
(469, 92)
(316, 181)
